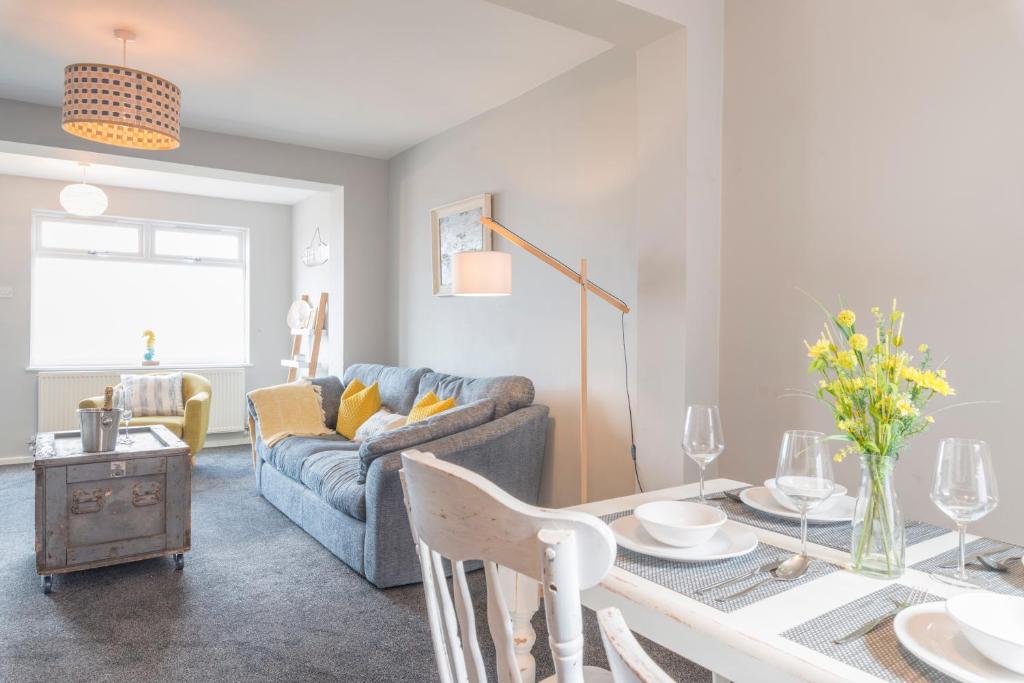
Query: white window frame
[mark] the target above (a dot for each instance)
(147, 228)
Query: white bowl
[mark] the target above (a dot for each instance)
(992, 623)
(680, 524)
(783, 500)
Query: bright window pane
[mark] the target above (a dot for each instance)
(117, 239)
(197, 244)
(200, 318)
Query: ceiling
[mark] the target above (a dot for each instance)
(370, 77)
(107, 175)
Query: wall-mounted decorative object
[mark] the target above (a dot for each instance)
(149, 358)
(456, 228)
(82, 199)
(317, 252)
(121, 106)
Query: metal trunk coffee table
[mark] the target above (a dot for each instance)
(99, 509)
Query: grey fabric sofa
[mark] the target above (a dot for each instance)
(348, 496)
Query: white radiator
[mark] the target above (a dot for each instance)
(60, 392)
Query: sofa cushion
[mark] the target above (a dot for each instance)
(398, 386)
(330, 398)
(509, 393)
(334, 476)
(176, 423)
(458, 419)
(289, 455)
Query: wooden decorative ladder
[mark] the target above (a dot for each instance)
(315, 332)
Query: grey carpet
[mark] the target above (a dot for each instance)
(259, 600)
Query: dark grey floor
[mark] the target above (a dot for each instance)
(259, 600)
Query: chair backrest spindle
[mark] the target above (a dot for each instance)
(627, 660)
(459, 515)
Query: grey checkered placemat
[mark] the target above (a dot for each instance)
(837, 536)
(688, 577)
(1010, 582)
(879, 653)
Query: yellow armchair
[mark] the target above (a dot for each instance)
(190, 427)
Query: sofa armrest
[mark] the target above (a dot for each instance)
(197, 421)
(93, 402)
(508, 451)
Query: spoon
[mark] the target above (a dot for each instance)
(1003, 565)
(790, 570)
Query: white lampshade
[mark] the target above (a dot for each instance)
(482, 273)
(82, 199)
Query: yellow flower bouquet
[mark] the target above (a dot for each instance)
(878, 392)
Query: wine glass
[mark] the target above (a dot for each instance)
(964, 488)
(123, 400)
(804, 474)
(702, 438)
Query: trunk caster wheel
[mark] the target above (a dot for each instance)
(47, 583)
(179, 561)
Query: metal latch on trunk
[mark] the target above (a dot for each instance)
(146, 493)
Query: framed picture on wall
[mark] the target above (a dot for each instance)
(456, 227)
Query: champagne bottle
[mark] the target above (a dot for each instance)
(108, 398)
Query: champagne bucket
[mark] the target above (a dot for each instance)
(99, 429)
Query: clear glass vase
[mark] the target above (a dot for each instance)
(879, 546)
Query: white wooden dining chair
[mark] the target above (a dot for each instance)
(461, 516)
(626, 658)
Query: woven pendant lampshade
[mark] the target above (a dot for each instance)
(119, 105)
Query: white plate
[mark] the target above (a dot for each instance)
(732, 540)
(932, 635)
(760, 498)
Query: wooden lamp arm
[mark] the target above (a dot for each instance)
(547, 258)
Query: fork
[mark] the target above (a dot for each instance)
(975, 558)
(916, 596)
(731, 495)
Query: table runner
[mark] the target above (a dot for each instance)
(836, 536)
(1010, 582)
(687, 577)
(879, 653)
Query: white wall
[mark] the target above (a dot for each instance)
(323, 210)
(680, 283)
(873, 149)
(270, 282)
(561, 164)
(365, 207)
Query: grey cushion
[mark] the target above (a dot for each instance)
(508, 393)
(330, 398)
(398, 386)
(334, 476)
(459, 418)
(289, 455)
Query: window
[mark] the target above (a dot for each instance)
(98, 283)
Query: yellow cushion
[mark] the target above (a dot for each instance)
(427, 406)
(354, 387)
(175, 423)
(357, 408)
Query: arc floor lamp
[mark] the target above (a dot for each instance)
(489, 273)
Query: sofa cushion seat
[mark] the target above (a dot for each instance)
(334, 477)
(289, 455)
(175, 423)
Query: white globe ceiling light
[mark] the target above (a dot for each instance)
(82, 199)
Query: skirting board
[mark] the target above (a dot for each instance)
(212, 441)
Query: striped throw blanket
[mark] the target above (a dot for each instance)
(154, 394)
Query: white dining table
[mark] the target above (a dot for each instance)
(745, 644)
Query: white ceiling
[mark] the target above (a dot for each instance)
(371, 77)
(106, 175)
